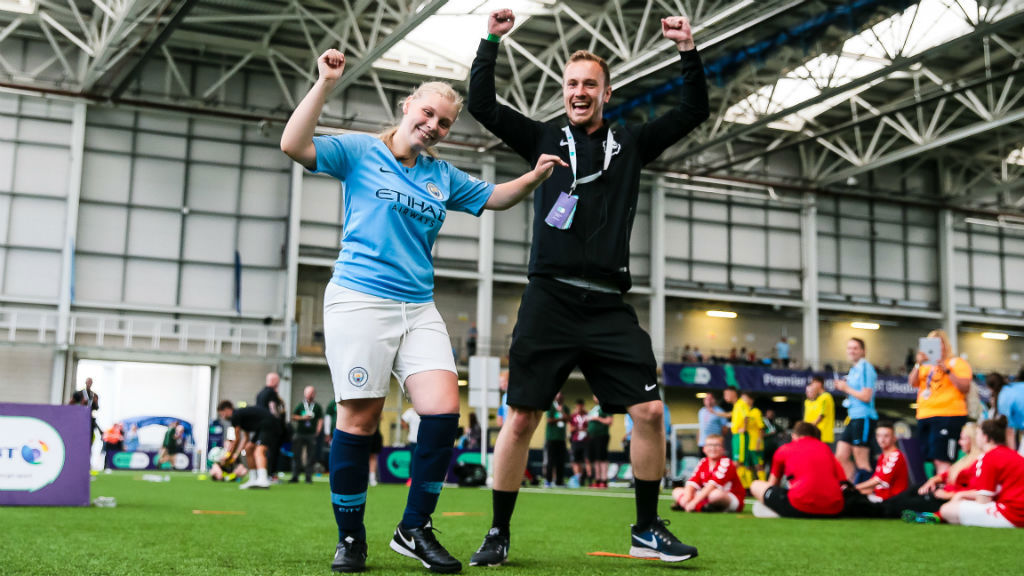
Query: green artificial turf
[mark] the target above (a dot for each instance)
(289, 529)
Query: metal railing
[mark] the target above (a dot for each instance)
(148, 334)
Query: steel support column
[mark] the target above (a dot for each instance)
(60, 354)
(809, 251)
(485, 267)
(657, 300)
(292, 282)
(947, 277)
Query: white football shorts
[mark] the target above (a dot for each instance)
(369, 338)
(985, 515)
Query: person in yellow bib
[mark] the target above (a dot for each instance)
(741, 437)
(820, 410)
(755, 433)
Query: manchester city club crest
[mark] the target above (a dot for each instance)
(434, 190)
(358, 376)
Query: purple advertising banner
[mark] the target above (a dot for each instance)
(44, 455)
(770, 381)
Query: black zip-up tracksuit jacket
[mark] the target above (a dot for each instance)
(596, 247)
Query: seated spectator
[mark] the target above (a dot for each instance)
(930, 496)
(714, 486)
(812, 476)
(996, 496)
(891, 475)
(218, 474)
(958, 477)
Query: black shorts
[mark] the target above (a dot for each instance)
(939, 436)
(579, 451)
(777, 498)
(561, 327)
(597, 448)
(859, 432)
(376, 442)
(268, 435)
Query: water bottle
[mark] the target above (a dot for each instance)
(105, 502)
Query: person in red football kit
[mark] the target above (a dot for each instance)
(814, 476)
(715, 486)
(996, 497)
(891, 475)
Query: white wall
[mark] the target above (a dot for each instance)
(25, 374)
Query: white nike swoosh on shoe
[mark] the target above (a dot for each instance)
(653, 543)
(409, 543)
(650, 387)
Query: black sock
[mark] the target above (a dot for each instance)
(647, 492)
(503, 503)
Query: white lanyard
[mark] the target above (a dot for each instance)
(609, 145)
(309, 407)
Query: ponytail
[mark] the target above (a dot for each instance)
(995, 429)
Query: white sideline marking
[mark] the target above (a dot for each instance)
(585, 492)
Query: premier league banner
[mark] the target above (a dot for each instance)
(44, 455)
(766, 380)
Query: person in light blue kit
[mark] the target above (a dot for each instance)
(854, 447)
(1010, 402)
(379, 315)
(710, 419)
(782, 352)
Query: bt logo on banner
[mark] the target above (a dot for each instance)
(31, 454)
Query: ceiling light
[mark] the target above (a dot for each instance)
(19, 6)
(995, 336)
(721, 314)
(702, 395)
(865, 325)
(778, 399)
(463, 382)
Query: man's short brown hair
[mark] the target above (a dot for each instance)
(591, 57)
(806, 429)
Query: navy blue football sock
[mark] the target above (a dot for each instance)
(861, 475)
(350, 474)
(430, 461)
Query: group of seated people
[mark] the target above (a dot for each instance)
(984, 488)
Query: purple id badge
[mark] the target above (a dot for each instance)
(562, 212)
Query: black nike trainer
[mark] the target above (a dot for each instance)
(350, 556)
(421, 544)
(494, 550)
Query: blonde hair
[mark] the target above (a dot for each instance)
(970, 458)
(584, 55)
(442, 89)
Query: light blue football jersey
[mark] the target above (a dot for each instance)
(393, 214)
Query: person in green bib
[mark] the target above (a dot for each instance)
(308, 419)
(598, 422)
(555, 454)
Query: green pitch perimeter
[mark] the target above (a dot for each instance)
(289, 529)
